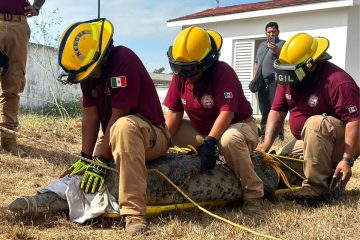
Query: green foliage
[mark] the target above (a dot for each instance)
(159, 70)
(60, 108)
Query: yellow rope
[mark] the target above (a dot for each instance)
(180, 150)
(284, 157)
(277, 157)
(184, 150)
(268, 160)
(193, 149)
(208, 212)
(292, 170)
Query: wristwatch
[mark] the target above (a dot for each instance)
(350, 161)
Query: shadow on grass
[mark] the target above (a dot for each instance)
(53, 156)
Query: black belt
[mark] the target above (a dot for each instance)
(8, 17)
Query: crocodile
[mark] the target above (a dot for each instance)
(219, 183)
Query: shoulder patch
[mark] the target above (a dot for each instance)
(228, 95)
(119, 81)
(352, 109)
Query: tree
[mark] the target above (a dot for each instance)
(159, 70)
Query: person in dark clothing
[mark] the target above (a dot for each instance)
(268, 52)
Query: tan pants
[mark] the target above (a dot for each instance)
(134, 141)
(322, 146)
(14, 38)
(236, 144)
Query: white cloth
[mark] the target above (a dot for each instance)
(82, 206)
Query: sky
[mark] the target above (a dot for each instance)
(138, 24)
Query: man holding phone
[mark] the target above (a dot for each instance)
(268, 52)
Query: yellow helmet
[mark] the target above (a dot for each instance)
(193, 44)
(194, 49)
(217, 38)
(82, 47)
(297, 58)
(301, 47)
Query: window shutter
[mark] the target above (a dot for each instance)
(244, 51)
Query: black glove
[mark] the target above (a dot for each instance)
(207, 152)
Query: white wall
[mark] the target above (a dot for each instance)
(41, 85)
(330, 23)
(353, 44)
(162, 91)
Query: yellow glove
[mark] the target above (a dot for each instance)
(77, 166)
(94, 176)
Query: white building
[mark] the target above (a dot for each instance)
(41, 87)
(243, 28)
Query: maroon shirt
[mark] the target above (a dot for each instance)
(13, 6)
(331, 91)
(134, 89)
(219, 90)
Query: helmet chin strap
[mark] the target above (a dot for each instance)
(324, 57)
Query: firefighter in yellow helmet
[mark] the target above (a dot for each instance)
(210, 93)
(120, 98)
(323, 101)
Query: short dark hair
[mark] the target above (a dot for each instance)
(272, 24)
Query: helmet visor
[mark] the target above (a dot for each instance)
(290, 73)
(184, 69)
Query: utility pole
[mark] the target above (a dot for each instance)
(98, 8)
(218, 3)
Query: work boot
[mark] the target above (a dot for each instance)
(252, 206)
(136, 225)
(10, 145)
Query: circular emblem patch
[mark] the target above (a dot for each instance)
(313, 101)
(207, 101)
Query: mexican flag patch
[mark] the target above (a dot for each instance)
(119, 81)
(228, 95)
(352, 109)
